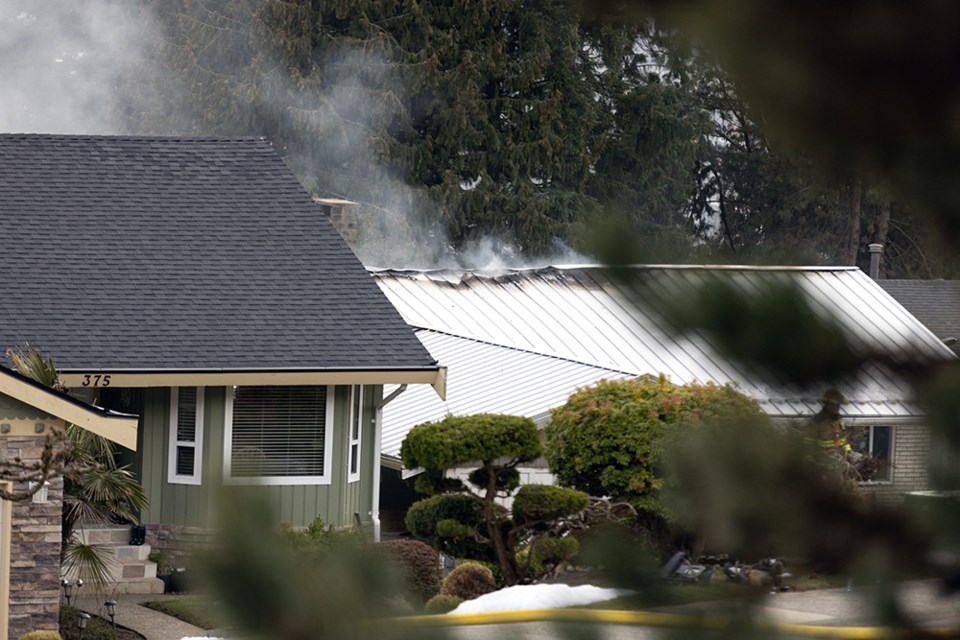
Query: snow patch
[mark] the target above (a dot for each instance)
(539, 596)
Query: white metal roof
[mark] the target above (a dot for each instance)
(522, 340)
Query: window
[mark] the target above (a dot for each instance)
(876, 442)
(186, 435)
(356, 428)
(277, 435)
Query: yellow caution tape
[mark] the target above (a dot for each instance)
(648, 618)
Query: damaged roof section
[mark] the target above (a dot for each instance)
(520, 341)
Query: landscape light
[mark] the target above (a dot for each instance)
(82, 622)
(112, 612)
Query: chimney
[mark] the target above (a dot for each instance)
(876, 250)
(342, 216)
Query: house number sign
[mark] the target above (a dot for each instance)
(95, 380)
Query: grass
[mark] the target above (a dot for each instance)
(194, 610)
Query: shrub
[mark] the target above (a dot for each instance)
(458, 439)
(450, 521)
(553, 551)
(420, 565)
(542, 502)
(40, 635)
(608, 439)
(468, 581)
(442, 603)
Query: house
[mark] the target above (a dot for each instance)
(30, 526)
(522, 340)
(193, 282)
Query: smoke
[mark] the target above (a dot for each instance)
(62, 62)
(110, 67)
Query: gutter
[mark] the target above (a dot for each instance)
(377, 436)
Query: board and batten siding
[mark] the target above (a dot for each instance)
(338, 503)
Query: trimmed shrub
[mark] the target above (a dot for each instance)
(553, 551)
(608, 439)
(420, 565)
(450, 521)
(441, 603)
(459, 439)
(468, 581)
(543, 502)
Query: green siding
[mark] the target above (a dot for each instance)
(190, 505)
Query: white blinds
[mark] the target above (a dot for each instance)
(278, 432)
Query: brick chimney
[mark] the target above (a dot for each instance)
(876, 251)
(342, 215)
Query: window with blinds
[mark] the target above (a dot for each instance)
(278, 433)
(186, 435)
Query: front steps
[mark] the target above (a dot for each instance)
(130, 569)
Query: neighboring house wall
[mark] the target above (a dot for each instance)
(340, 502)
(911, 456)
(32, 530)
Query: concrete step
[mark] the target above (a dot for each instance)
(132, 585)
(127, 552)
(101, 534)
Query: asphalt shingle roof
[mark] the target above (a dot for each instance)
(936, 303)
(174, 254)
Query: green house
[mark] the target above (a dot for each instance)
(193, 282)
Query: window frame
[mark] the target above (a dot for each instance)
(893, 448)
(355, 433)
(328, 429)
(196, 478)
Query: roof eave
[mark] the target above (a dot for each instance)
(117, 427)
(436, 376)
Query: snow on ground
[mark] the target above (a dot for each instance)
(539, 596)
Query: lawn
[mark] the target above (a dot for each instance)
(194, 610)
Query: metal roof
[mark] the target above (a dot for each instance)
(505, 336)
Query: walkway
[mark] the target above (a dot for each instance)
(151, 624)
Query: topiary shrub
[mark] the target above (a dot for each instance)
(450, 522)
(607, 440)
(419, 564)
(553, 551)
(544, 503)
(468, 581)
(441, 603)
(40, 635)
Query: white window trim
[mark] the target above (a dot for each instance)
(172, 476)
(276, 480)
(351, 441)
(893, 452)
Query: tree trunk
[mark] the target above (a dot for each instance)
(883, 221)
(507, 563)
(856, 203)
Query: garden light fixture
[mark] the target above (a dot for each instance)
(82, 622)
(111, 606)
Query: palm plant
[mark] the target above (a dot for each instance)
(95, 490)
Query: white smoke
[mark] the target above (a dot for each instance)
(62, 61)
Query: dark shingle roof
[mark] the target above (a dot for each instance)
(936, 303)
(180, 254)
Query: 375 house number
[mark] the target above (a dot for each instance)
(95, 380)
